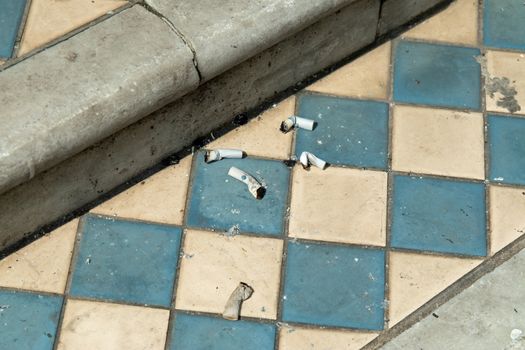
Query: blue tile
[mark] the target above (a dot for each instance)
(348, 132)
(507, 149)
(437, 75)
(503, 25)
(206, 333)
(28, 321)
(219, 201)
(126, 261)
(11, 13)
(439, 215)
(334, 285)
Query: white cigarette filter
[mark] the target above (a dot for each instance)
(298, 122)
(218, 154)
(308, 159)
(256, 189)
(232, 309)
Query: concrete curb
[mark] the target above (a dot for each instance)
(67, 154)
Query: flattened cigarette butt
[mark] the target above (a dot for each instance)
(298, 122)
(232, 310)
(218, 154)
(308, 159)
(256, 189)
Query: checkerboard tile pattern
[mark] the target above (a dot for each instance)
(424, 140)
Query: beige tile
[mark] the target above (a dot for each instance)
(50, 19)
(506, 72)
(295, 338)
(160, 198)
(437, 141)
(213, 265)
(507, 216)
(44, 264)
(367, 76)
(93, 325)
(415, 279)
(261, 136)
(458, 24)
(339, 205)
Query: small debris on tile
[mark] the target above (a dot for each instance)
(256, 189)
(308, 159)
(3, 307)
(297, 122)
(187, 256)
(232, 231)
(240, 119)
(214, 155)
(232, 310)
(289, 329)
(516, 334)
(290, 162)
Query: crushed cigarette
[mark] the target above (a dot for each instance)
(308, 159)
(232, 310)
(256, 189)
(297, 122)
(218, 154)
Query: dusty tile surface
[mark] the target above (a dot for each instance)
(292, 338)
(367, 76)
(95, 325)
(505, 85)
(446, 27)
(213, 266)
(507, 221)
(43, 265)
(339, 205)
(260, 137)
(437, 141)
(159, 198)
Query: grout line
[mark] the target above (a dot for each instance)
(184, 228)
(390, 185)
(21, 29)
(286, 232)
(486, 145)
(72, 263)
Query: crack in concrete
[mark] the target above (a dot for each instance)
(170, 24)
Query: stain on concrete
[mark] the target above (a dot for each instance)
(508, 93)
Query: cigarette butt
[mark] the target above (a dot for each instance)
(218, 154)
(255, 188)
(232, 310)
(308, 159)
(298, 122)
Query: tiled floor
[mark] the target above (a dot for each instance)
(26, 25)
(427, 181)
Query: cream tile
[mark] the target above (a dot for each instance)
(415, 279)
(50, 19)
(160, 198)
(367, 76)
(437, 141)
(295, 338)
(457, 24)
(339, 205)
(103, 326)
(505, 87)
(213, 266)
(44, 264)
(507, 216)
(261, 136)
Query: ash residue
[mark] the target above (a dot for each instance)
(508, 92)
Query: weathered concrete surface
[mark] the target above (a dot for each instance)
(76, 93)
(481, 317)
(228, 32)
(100, 168)
(395, 13)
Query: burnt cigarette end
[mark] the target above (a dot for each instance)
(261, 191)
(232, 309)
